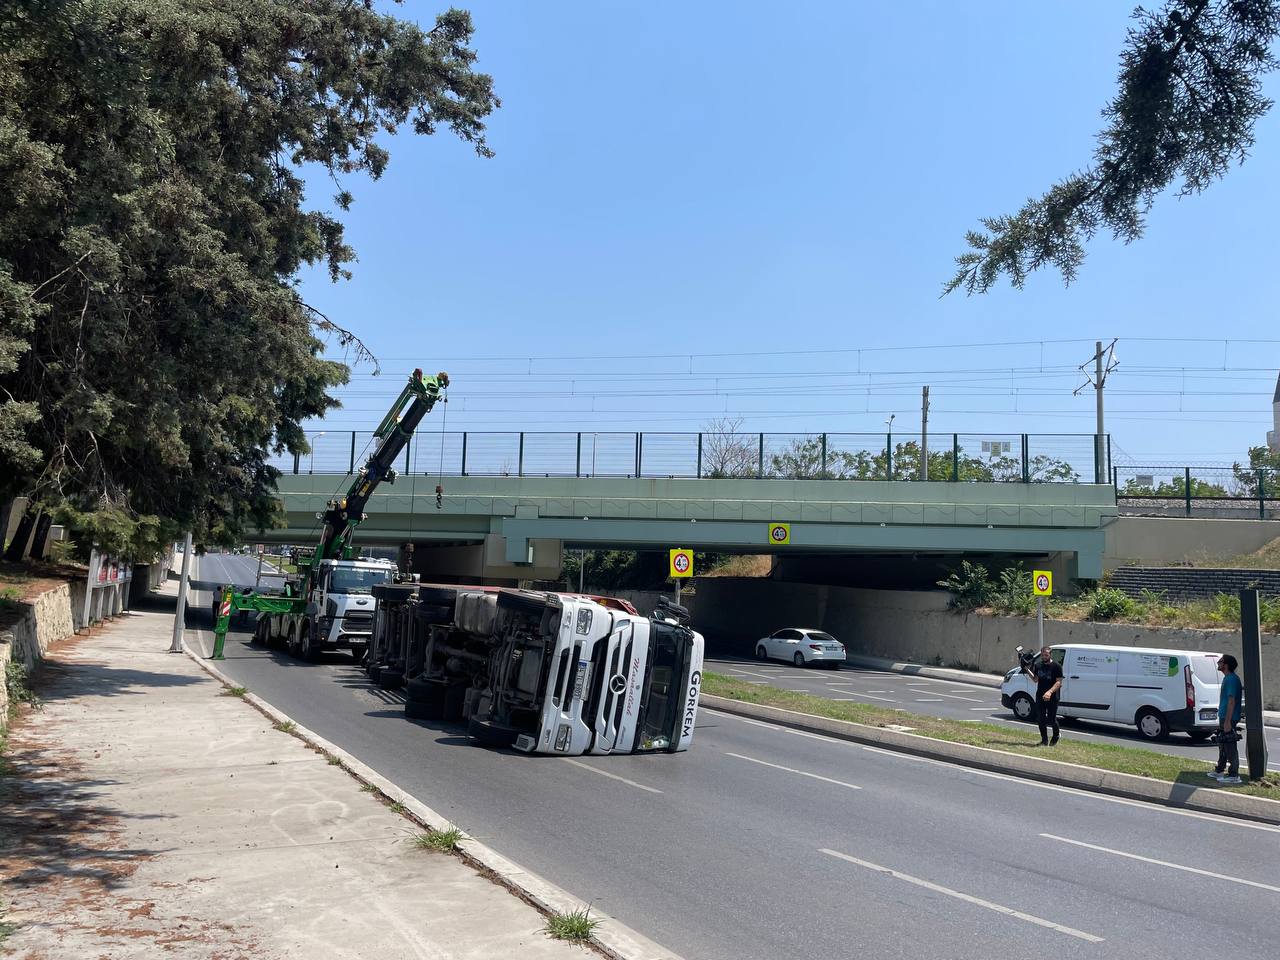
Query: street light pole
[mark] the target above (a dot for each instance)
(312, 469)
(180, 615)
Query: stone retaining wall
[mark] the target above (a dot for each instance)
(50, 617)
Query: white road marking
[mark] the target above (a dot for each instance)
(775, 766)
(928, 699)
(754, 723)
(956, 696)
(844, 699)
(988, 709)
(976, 901)
(885, 699)
(611, 776)
(1164, 863)
(812, 736)
(880, 691)
(1085, 794)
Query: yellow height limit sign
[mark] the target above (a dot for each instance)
(681, 563)
(1042, 583)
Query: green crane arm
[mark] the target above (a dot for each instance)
(344, 514)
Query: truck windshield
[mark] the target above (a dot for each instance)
(668, 662)
(355, 580)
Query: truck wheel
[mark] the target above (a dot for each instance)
(259, 635)
(308, 649)
(455, 697)
(291, 641)
(425, 700)
(391, 677)
(359, 651)
(490, 734)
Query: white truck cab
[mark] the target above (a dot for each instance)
(341, 604)
(339, 611)
(1159, 691)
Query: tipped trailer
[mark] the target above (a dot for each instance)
(541, 672)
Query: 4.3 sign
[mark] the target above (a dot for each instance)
(681, 562)
(1042, 583)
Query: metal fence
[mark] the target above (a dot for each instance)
(1198, 491)
(1015, 458)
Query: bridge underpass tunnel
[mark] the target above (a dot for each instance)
(878, 604)
(483, 561)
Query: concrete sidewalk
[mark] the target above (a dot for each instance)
(147, 815)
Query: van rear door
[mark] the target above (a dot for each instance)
(1089, 684)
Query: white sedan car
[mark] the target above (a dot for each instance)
(802, 646)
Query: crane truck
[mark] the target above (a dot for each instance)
(330, 605)
(553, 673)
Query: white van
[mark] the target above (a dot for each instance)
(1158, 691)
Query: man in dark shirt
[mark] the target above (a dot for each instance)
(1047, 673)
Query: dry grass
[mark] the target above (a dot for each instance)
(744, 566)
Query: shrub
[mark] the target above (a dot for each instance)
(1108, 603)
(970, 586)
(1014, 593)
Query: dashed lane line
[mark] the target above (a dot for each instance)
(967, 898)
(801, 773)
(611, 776)
(1163, 863)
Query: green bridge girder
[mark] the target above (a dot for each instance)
(831, 516)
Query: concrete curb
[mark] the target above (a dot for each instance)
(613, 938)
(920, 670)
(1201, 799)
(1270, 718)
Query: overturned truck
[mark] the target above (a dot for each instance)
(540, 672)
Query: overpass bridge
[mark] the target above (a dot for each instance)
(511, 527)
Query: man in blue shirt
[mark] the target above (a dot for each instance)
(1228, 768)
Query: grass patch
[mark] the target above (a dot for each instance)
(234, 692)
(334, 761)
(443, 841)
(7, 927)
(397, 807)
(1104, 756)
(575, 927)
(285, 726)
(368, 788)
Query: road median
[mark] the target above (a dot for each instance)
(1121, 771)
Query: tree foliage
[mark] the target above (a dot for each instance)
(1264, 464)
(1190, 93)
(804, 459)
(154, 349)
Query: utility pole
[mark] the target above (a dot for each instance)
(1104, 361)
(180, 615)
(924, 433)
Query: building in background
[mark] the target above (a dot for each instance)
(1273, 436)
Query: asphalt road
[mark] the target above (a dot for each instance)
(950, 699)
(761, 842)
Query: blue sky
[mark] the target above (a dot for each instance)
(710, 208)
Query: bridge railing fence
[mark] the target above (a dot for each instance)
(1169, 490)
(897, 456)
